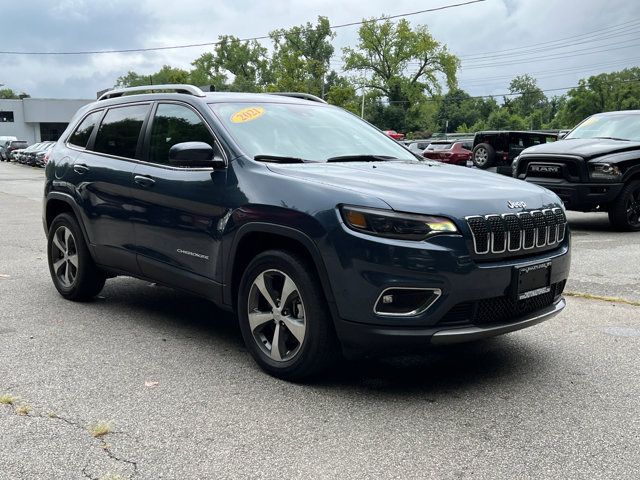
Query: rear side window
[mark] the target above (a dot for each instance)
(119, 131)
(80, 137)
(175, 124)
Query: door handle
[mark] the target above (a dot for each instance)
(80, 168)
(144, 181)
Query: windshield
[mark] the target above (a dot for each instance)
(308, 132)
(620, 126)
(440, 146)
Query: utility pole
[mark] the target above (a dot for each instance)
(362, 109)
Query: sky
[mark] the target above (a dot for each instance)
(558, 42)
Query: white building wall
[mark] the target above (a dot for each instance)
(30, 112)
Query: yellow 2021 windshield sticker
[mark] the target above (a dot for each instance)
(247, 114)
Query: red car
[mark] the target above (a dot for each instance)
(449, 151)
(395, 135)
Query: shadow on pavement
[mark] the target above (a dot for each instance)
(437, 369)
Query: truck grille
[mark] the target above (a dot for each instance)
(517, 233)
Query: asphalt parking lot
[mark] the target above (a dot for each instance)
(184, 400)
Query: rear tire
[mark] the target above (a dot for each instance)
(484, 156)
(73, 271)
(624, 212)
(293, 337)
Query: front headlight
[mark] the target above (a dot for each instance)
(604, 171)
(390, 224)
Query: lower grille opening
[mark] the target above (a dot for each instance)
(502, 309)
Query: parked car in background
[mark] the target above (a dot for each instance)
(499, 148)
(21, 155)
(595, 167)
(42, 155)
(13, 147)
(31, 157)
(448, 151)
(395, 135)
(417, 146)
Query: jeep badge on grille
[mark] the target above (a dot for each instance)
(516, 204)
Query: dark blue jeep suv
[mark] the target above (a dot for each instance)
(322, 233)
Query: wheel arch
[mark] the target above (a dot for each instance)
(57, 203)
(256, 237)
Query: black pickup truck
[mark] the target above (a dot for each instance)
(596, 167)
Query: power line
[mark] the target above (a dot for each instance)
(611, 29)
(262, 37)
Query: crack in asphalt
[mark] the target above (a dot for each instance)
(602, 298)
(104, 446)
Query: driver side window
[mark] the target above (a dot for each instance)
(173, 124)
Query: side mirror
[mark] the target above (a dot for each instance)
(194, 154)
(561, 135)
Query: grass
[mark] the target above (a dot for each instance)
(8, 399)
(100, 429)
(23, 410)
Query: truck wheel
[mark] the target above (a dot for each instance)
(74, 274)
(284, 317)
(484, 156)
(624, 213)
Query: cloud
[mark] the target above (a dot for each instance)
(71, 25)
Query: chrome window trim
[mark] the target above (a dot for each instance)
(436, 291)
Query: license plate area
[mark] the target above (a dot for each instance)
(532, 280)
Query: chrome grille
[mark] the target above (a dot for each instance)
(515, 232)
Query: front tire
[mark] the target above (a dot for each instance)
(74, 274)
(484, 156)
(624, 212)
(284, 317)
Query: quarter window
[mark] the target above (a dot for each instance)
(80, 137)
(175, 124)
(120, 130)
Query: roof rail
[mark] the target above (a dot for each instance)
(304, 96)
(178, 88)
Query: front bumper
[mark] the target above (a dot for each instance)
(359, 337)
(361, 268)
(581, 196)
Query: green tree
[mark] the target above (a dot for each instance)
(246, 61)
(166, 75)
(301, 57)
(399, 62)
(530, 98)
(9, 94)
(602, 93)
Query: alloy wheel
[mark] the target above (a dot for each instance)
(276, 315)
(64, 256)
(633, 208)
(481, 156)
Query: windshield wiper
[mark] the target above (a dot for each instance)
(614, 138)
(361, 158)
(279, 159)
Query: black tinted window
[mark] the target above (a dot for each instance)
(175, 124)
(81, 136)
(119, 131)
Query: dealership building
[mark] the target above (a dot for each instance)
(37, 119)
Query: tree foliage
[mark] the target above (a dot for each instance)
(9, 94)
(408, 80)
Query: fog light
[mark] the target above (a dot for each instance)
(406, 301)
(387, 299)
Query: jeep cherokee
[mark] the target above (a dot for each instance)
(322, 233)
(596, 167)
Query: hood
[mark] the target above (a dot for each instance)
(586, 148)
(425, 187)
